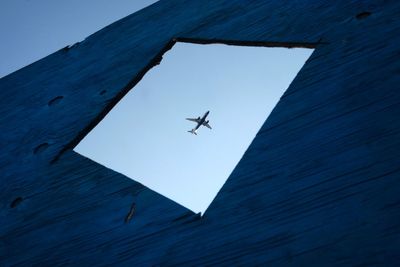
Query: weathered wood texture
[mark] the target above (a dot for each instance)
(319, 185)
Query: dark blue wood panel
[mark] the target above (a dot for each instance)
(319, 185)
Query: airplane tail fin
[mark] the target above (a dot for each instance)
(193, 131)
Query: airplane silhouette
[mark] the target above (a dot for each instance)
(200, 121)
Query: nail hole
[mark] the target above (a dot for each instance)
(131, 213)
(103, 92)
(16, 202)
(55, 100)
(40, 148)
(363, 15)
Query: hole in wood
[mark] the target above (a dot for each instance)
(40, 148)
(55, 100)
(16, 202)
(363, 15)
(145, 136)
(129, 217)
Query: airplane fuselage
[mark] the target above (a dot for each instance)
(202, 120)
(199, 122)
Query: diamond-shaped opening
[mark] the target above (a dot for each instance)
(145, 136)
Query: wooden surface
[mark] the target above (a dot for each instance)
(318, 186)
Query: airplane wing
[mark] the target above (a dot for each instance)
(195, 120)
(207, 125)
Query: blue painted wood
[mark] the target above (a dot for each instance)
(318, 186)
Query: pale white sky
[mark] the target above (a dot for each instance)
(145, 136)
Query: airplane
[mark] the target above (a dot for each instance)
(200, 121)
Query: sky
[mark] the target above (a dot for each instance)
(145, 136)
(33, 29)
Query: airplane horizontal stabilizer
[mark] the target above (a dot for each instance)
(192, 132)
